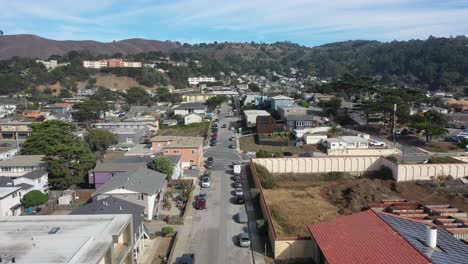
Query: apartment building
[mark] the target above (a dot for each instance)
(15, 131)
(189, 148)
(288, 110)
(201, 79)
(91, 239)
(111, 63)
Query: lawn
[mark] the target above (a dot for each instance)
(194, 130)
(248, 144)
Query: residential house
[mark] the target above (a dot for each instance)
(90, 239)
(192, 118)
(34, 180)
(189, 148)
(347, 142)
(250, 116)
(268, 125)
(106, 169)
(110, 125)
(20, 165)
(254, 100)
(287, 110)
(15, 131)
(129, 135)
(7, 152)
(280, 100)
(7, 107)
(371, 237)
(10, 201)
(318, 97)
(142, 186)
(299, 122)
(115, 206)
(189, 108)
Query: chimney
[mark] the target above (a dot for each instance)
(431, 236)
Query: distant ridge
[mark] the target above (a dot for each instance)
(37, 47)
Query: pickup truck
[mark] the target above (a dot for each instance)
(375, 143)
(237, 169)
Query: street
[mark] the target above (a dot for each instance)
(214, 233)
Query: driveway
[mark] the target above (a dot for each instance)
(213, 234)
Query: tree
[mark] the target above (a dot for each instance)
(34, 198)
(431, 130)
(214, 102)
(304, 103)
(90, 110)
(69, 158)
(137, 96)
(164, 165)
(100, 139)
(254, 87)
(331, 107)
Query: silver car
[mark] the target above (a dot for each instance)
(244, 240)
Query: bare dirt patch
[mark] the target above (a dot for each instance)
(299, 200)
(163, 250)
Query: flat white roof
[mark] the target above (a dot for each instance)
(80, 239)
(352, 139)
(256, 112)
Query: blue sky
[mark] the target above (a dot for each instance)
(307, 22)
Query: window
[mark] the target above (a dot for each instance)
(191, 161)
(14, 194)
(176, 151)
(166, 151)
(194, 151)
(140, 197)
(112, 174)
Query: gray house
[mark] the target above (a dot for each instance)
(141, 186)
(299, 122)
(112, 205)
(129, 135)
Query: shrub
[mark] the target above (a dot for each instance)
(278, 214)
(34, 198)
(266, 178)
(167, 230)
(335, 176)
(443, 160)
(392, 158)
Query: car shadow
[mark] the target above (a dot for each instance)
(235, 240)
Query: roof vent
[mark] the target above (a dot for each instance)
(120, 208)
(13, 260)
(431, 236)
(54, 230)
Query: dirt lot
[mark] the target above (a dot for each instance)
(194, 130)
(443, 147)
(247, 144)
(300, 200)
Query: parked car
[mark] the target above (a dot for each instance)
(287, 154)
(232, 138)
(124, 148)
(242, 217)
(210, 160)
(224, 126)
(206, 183)
(207, 174)
(187, 259)
(200, 203)
(232, 146)
(112, 148)
(209, 165)
(239, 199)
(247, 132)
(214, 136)
(244, 240)
(237, 178)
(238, 184)
(239, 191)
(306, 154)
(376, 143)
(213, 143)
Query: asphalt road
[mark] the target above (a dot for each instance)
(214, 233)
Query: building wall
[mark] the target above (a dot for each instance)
(362, 152)
(8, 154)
(196, 98)
(413, 172)
(40, 184)
(299, 124)
(294, 248)
(98, 178)
(9, 201)
(275, 103)
(19, 171)
(189, 156)
(190, 119)
(284, 113)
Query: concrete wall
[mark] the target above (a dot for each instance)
(293, 248)
(412, 172)
(320, 164)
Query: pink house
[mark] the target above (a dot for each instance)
(189, 148)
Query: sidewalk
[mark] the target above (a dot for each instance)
(184, 231)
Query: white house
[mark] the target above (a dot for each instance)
(6, 153)
(314, 138)
(140, 186)
(347, 142)
(192, 118)
(189, 108)
(7, 107)
(34, 180)
(10, 203)
(197, 80)
(251, 116)
(18, 166)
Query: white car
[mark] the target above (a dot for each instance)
(205, 182)
(239, 191)
(124, 148)
(375, 143)
(244, 240)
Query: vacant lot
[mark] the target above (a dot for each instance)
(248, 144)
(194, 130)
(299, 200)
(443, 147)
(163, 250)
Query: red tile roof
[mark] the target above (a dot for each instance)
(364, 238)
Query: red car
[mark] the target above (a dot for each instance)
(237, 178)
(200, 203)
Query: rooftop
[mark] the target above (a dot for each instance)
(352, 139)
(299, 117)
(177, 141)
(363, 238)
(184, 106)
(256, 112)
(282, 97)
(122, 163)
(35, 174)
(22, 160)
(80, 239)
(140, 180)
(4, 191)
(289, 107)
(112, 205)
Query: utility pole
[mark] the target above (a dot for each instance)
(394, 126)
